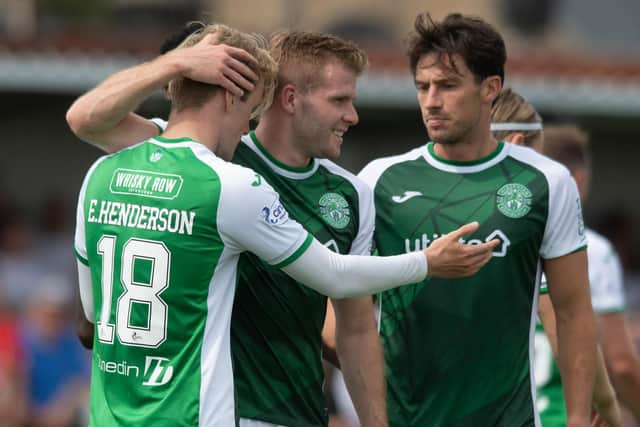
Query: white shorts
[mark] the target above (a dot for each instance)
(245, 422)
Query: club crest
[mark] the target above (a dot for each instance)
(514, 200)
(334, 209)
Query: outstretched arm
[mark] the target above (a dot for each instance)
(342, 276)
(104, 115)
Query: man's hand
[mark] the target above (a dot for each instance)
(448, 258)
(218, 64)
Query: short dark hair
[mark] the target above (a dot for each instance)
(477, 42)
(567, 144)
(174, 39)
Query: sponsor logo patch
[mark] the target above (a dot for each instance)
(276, 214)
(146, 184)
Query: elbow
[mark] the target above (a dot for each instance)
(75, 120)
(78, 122)
(624, 369)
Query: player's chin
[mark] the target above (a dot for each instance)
(334, 153)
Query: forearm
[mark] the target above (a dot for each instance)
(604, 396)
(342, 276)
(577, 360)
(103, 108)
(628, 389)
(622, 359)
(360, 356)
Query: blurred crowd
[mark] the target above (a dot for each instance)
(44, 371)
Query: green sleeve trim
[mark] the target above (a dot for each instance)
(297, 254)
(544, 290)
(581, 248)
(81, 258)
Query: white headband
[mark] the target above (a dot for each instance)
(496, 127)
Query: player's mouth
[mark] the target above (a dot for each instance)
(339, 133)
(435, 122)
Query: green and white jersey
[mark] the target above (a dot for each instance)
(161, 226)
(277, 322)
(607, 296)
(605, 275)
(549, 397)
(458, 352)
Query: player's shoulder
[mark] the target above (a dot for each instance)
(230, 174)
(552, 169)
(348, 176)
(374, 169)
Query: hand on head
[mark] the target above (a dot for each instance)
(210, 62)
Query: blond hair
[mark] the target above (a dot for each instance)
(185, 92)
(510, 107)
(306, 51)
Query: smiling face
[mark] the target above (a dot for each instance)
(451, 100)
(326, 111)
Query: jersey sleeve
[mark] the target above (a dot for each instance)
(80, 248)
(363, 242)
(565, 231)
(605, 277)
(252, 218)
(371, 173)
(80, 241)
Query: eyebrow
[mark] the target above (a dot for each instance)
(440, 80)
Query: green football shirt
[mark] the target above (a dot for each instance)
(161, 226)
(277, 322)
(549, 398)
(458, 352)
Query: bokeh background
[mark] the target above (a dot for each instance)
(575, 60)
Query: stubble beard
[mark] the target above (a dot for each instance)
(450, 137)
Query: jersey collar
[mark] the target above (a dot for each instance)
(472, 166)
(277, 166)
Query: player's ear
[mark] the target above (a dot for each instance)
(229, 100)
(491, 87)
(516, 138)
(286, 97)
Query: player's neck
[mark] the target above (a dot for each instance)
(190, 125)
(469, 149)
(279, 142)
